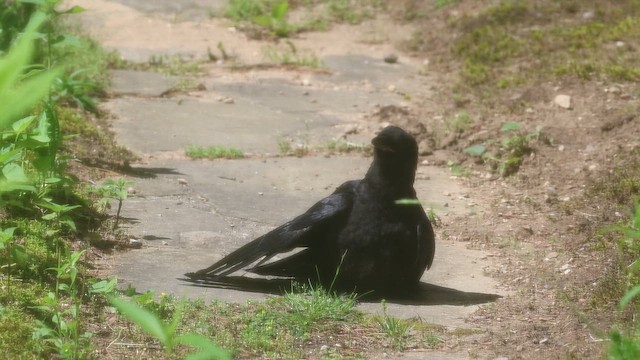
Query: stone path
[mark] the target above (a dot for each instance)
(190, 213)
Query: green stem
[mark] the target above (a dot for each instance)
(115, 225)
(9, 272)
(59, 256)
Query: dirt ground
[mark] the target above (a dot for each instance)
(541, 226)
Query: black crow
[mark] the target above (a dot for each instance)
(370, 235)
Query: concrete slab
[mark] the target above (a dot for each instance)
(199, 211)
(155, 125)
(140, 83)
(289, 97)
(363, 68)
(178, 10)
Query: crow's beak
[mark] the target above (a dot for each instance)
(378, 144)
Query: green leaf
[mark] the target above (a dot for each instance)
(70, 223)
(476, 150)
(43, 129)
(147, 321)
(407, 202)
(74, 10)
(510, 126)
(263, 20)
(6, 235)
(20, 255)
(49, 216)
(16, 100)
(629, 296)
(52, 180)
(10, 156)
(14, 173)
(69, 40)
(104, 286)
(208, 350)
(7, 186)
(21, 125)
(280, 11)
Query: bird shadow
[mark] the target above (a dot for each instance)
(425, 294)
(150, 172)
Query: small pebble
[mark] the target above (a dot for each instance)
(135, 243)
(391, 58)
(564, 101)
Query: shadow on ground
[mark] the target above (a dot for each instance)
(426, 294)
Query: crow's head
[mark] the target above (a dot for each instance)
(395, 157)
(392, 141)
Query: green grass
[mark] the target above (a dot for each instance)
(175, 65)
(625, 338)
(289, 55)
(269, 18)
(516, 42)
(291, 326)
(247, 10)
(280, 327)
(458, 123)
(443, 3)
(346, 147)
(622, 184)
(397, 330)
(350, 11)
(214, 152)
(16, 332)
(298, 146)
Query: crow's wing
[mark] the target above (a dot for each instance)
(286, 237)
(426, 241)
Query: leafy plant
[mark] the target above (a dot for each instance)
(270, 15)
(14, 17)
(58, 213)
(6, 244)
(511, 149)
(627, 345)
(166, 332)
(276, 20)
(110, 190)
(64, 333)
(76, 89)
(17, 93)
